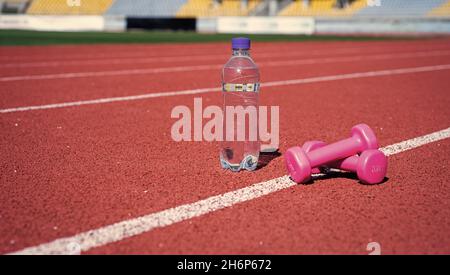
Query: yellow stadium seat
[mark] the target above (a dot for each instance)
(441, 11)
(194, 8)
(322, 8)
(73, 7)
(202, 8)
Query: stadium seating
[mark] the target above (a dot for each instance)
(322, 8)
(401, 8)
(149, 8)
(200, 8)
(205, 8)
(62, 7)
(235, 8)
(193, 8)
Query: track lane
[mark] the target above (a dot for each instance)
(17, 94)
(20, 54)
(101, 70)
(262, 53)
(88, 173)
(409, 214)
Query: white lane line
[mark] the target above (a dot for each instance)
(415, 142)
(132, 227)
(110, 99)
(166, 59)
(113, 61)
(144, 54)
(69, 55)
(207, 90)
(144, 59)
(357, 58)
(110, 73)
(218, 66)
(358, 75)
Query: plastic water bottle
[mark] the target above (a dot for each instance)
(240, 87)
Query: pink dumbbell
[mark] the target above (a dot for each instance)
(299, 163)
(370, 166)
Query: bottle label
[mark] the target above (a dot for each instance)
(236, 87)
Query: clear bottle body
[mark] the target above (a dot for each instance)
(240, 82)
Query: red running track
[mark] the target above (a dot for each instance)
(69, 170)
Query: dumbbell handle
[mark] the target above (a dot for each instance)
(334, 151)
(347, 164)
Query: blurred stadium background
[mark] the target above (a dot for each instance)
(86, 154)
(230, 16)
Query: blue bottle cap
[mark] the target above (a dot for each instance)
(240, 43)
